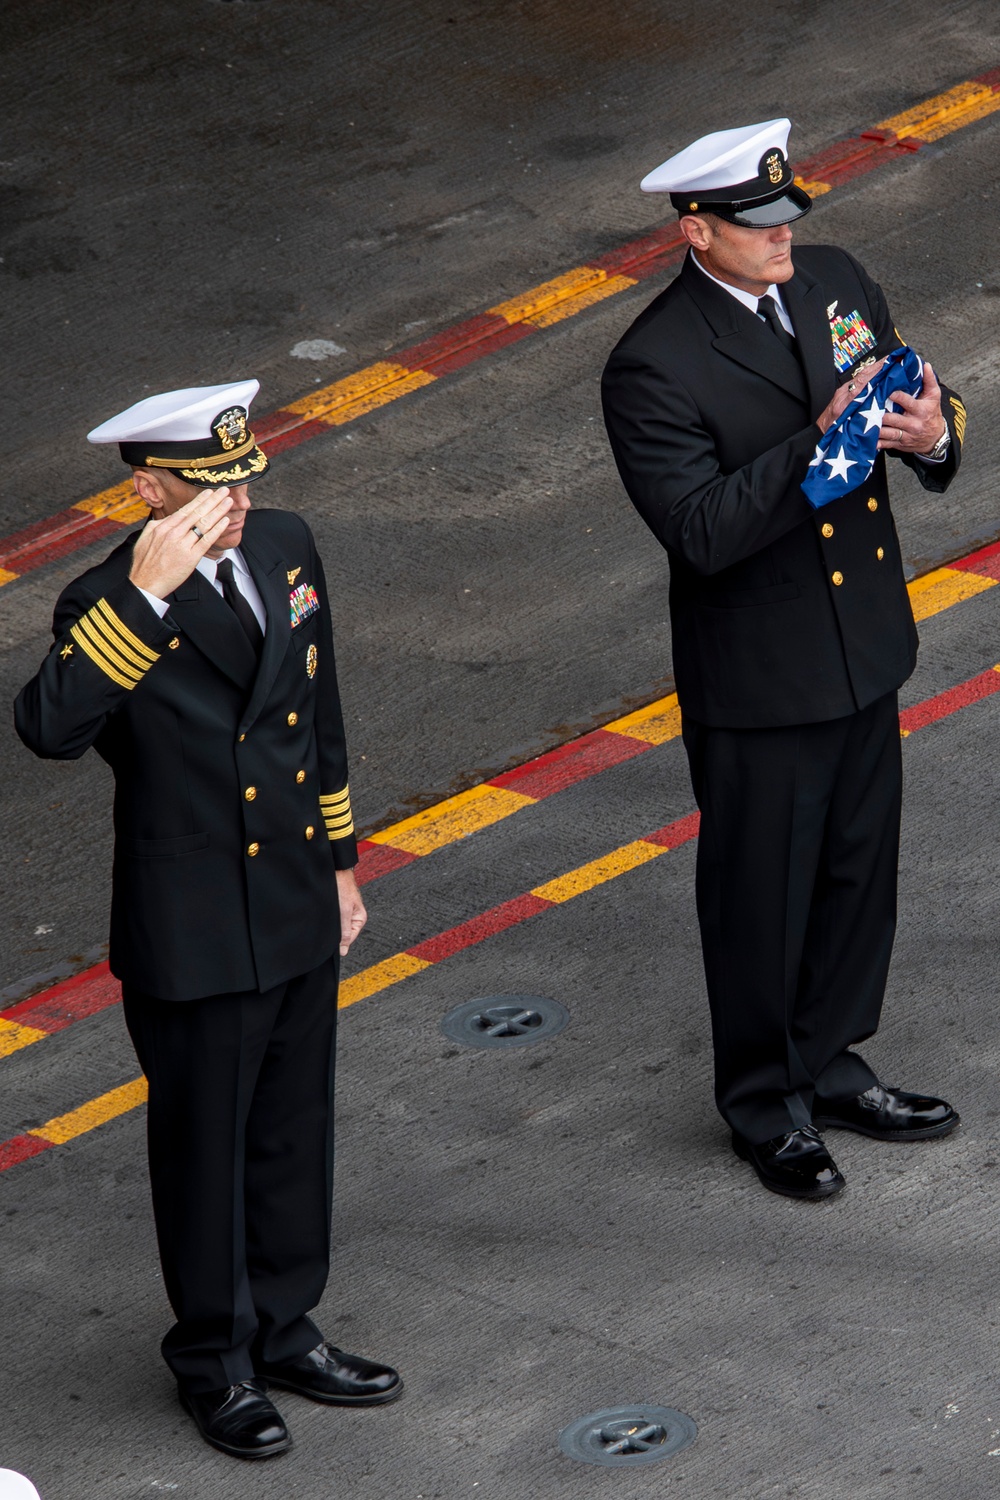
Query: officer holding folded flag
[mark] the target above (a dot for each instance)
(750, 409)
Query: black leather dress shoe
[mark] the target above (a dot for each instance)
(239, 1420)
(888, 1115)
(797, 1165)
(330, 1375)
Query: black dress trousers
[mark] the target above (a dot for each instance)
(241, 1167)
(796, 893)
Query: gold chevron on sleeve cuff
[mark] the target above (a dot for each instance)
(336, 810)
(960, 417)
(111, 646)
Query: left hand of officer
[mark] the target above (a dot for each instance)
(353, 915)
(917, 423)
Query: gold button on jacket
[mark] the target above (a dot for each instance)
(293, 718)
(873, 503)
(250, 793)
(827, 529)
(300, 777)
(838, 579)
(310, 831)
(880, 554)
(253, 849)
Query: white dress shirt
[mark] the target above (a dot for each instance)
(748, 299)
(242, 577)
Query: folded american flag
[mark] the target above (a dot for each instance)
(845, 455)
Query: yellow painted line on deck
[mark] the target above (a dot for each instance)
(361, 392)
(119, 503)
(527, 306)
(452, 819)
(96, 1112)
(573, 305)
(656, 723)
(379, 977)
(598, 871)
(943, 113)
(14, 1036)
(938, 591)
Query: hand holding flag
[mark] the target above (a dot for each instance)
(845, 455)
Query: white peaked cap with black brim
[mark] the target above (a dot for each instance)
(741, 175)
(200, 433)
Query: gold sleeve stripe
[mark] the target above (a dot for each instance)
(961, 417)
(99, 660)
(339, 833)
(335, 799)
(114, 645)
(146, 652)
(346, 821)
(87, 627)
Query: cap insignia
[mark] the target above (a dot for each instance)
(230, 427)
(774, 166)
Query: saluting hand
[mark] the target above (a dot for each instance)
(169, 548)
(917, 423)
(352, 909)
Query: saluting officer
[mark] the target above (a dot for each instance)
(792, 631)
(198, 661)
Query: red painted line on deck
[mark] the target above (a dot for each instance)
(568, 764)
(985, 562)
(71, 1000)
(19, 1148)
(949, 702)
(477, 929)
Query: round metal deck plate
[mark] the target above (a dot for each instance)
(505, 1021)
(628, 1435)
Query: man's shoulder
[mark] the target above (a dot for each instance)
(669, 317)
(827, 263)
(96, 581)
(279, 527)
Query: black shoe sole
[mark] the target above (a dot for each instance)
(381, 1399)
(271, 1451)
(804, 1195)
(928, 1133)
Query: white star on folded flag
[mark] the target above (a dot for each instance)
(873, 416)
(839, 466)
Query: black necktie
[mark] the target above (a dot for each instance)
(768, 309)
(239, 605)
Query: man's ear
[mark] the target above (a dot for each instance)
(695, 231)
(148, 488)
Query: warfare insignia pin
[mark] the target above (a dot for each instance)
(311, 658)
(230, 427)
(293, 573)
(852, 339)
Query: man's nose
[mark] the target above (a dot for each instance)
(239, 494)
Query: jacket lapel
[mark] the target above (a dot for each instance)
(806, 303)
(267, 566)
(207, 620)
(741, 336)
